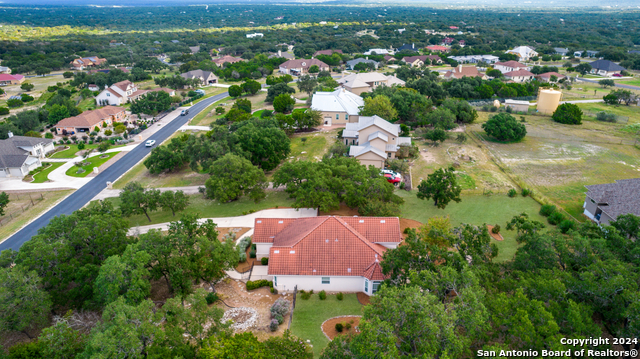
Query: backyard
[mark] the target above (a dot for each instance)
(311, 313)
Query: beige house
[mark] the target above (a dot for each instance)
(418, 61)
(365, 82)
(524, 53)
(82, 63)
(301, 67)
(205, 77)
(464, 71)
(605, 202)
(337, 107)
(86, 121)
(226, 58)
(373, 140)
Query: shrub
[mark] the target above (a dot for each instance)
(252, 253)
(81, 146)
(555, 218)
(272, 290)
(255, 284)
(495, 229)
(242, 245)
(566, 225)
(340, 296)
(305, 295)
(103, 146)
(48, 135)
(211, 298)
(279, 309)
(108, 132)
(322, 295)
(547, 209)
(266, 113)
(339, 327)
(606, 117)
(568, 114)
(242, 258)
(4, 111)
(526, 192)
(264, 261)
(273, 325)
(219, 110)
(13, 103)
(512, 193)
(347, 326)
(504, 127)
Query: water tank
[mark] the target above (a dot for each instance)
(548, 100)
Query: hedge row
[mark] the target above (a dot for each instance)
(255, 284)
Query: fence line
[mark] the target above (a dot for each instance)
(12, 215)
(293, 306)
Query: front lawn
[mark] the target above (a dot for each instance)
(310, 314)
(95, 161)
(207, 208)
(71, 151)
(43, 176)
(314, 147)
(476, 210)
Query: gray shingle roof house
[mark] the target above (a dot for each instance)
(605, 67)
(561, 51)
(351, 64)
(605, 202)
(21, 154)
(205, 77)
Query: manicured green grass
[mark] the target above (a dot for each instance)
(633, 112)
(43, 176)
(314, 147)
(209, 93)
(476, 210)
(310, 314)
(71, 151)
(94, 161)
(633, 82)
(207, 208)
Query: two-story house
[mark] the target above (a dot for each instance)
(117, 94)
(510, 66)
(21, 154)
(373, 140)
(301, 67)
(84, 62)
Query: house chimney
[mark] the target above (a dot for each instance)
(413, 45)
(366, 58)
(10, 134)
(279, 53)
(459, 68)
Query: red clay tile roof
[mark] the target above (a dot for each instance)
(122, 85)
(547, 75)
(512, 64)
(7, 77)
(90, 118)
(463, 71)
(518, 73)
(437, 48)
(374, 271)
(326, 52)
(303, 64)
(329, 246)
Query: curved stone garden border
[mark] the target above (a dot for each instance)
(340, 316)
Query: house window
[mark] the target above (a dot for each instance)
(389, 154)
(337, 116)
(592, 201)
(346, 116)
(275, 281)
(366, 286)
(375, 287)
(108, 95)
(326, 280)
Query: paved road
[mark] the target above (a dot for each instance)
(628, 87)
(83, 195)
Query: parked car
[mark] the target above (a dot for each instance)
(184, 112)
(394, 173)
(150, 143)
(617, 75)
(393, 179)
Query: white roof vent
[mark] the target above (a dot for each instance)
(314, 271)
(336, 239)
(304, 64)
(348, 270)
(258, 221)
(276, 251)
(382, 221)
(292, 252)
(280, 222)
(326, 241)
(361, 221)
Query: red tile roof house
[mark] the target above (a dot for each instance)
(301, 66)
(82, 63)
(6, 79)
(519, 76)
(546, 77)
(86, 121)
(331, 253)
(438, 48)
(464, 71)
(509, 66)
(224, 59)
(327, 52)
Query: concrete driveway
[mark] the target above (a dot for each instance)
(239, 221)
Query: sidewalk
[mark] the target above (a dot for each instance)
(239, 221)
(108, 193)
(196, 128)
